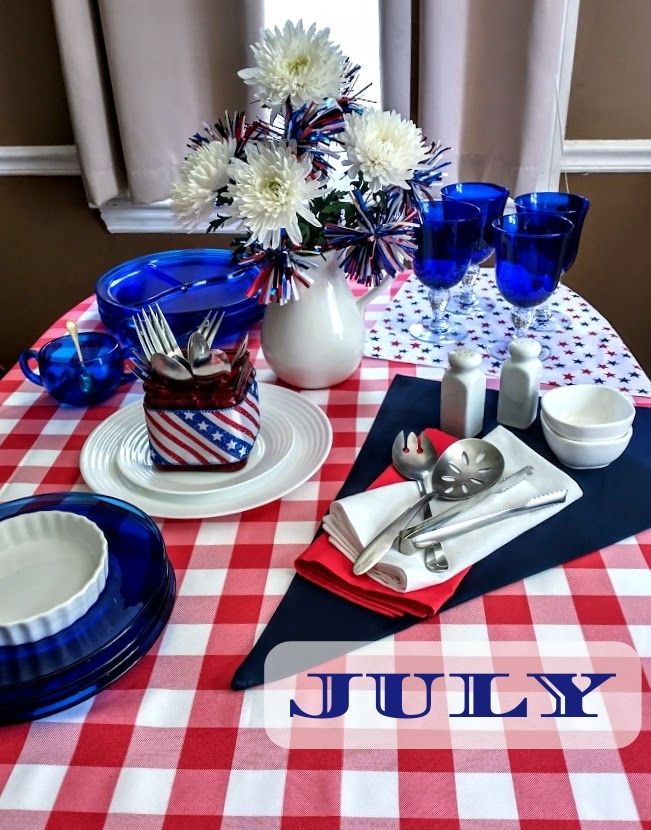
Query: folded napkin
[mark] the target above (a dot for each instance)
(354, 521)
(324, 565)
(402, 584)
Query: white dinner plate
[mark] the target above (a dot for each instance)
(271, 447)
(312, 441)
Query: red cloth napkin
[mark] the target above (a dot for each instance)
(326, 566)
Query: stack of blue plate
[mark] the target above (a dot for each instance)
(186, 284)
(41, 678)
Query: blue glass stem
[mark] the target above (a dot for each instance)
(543, 314)
(522, 320)
(466, 298)
(438, 299)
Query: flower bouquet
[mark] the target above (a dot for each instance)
(322, 171)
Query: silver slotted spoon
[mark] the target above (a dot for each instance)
(465, 469)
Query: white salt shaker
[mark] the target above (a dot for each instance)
(463, 394)
(517, 405)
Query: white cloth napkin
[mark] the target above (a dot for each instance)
(353, 521)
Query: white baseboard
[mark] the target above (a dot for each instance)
(58, 160)
(607, 156)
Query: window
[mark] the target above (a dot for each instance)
(353, 24)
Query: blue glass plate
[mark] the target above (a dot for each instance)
(38, 679)
(186, 284)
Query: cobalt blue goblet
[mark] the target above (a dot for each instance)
(491, 201)
(530, 249)
(447, 235)
(573, 207)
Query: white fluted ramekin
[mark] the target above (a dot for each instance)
(53, 567)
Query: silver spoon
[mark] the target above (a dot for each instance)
(466, 468)
(215, 363)
(85, 380)
(414, 457)
(198, 348)
(168, 367)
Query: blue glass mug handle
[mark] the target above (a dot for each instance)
(23, 362)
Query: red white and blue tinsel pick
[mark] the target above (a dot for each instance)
(233, 125)
(280, 272)
(424, 176)
(310, 130)
(382, 242)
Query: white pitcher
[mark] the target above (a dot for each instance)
(317, 341)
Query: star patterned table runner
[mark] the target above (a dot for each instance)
(590, 352)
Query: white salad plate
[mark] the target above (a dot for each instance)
(273, 443)
(312, 439)
(53, 567)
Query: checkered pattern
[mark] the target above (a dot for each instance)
(170, 747)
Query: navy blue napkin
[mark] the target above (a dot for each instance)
(615, 505)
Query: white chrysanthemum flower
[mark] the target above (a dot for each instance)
(202, 174)
(384, 147)
(270, 191)
(293, 63)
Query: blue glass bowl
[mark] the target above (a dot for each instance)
(491, 200)
(39, 679)
(569, 205)
(186, 284)
(529, 254)
(447, 235)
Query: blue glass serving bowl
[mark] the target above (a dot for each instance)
(447, 235)
(38, 679)
(186, 284)
(529, 254)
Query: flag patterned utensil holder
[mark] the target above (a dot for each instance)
(203, 425)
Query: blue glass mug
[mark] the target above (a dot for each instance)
(69, 381)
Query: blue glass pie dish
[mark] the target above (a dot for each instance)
(186, 284)
(41, 678)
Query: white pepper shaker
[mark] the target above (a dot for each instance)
(463, 394)
(517, 405)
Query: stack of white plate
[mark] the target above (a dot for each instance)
(294, 440)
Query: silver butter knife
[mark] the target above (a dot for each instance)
(405, 537)
(464, 525)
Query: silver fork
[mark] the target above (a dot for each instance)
(165, 334)
(148, 348)
(212, 328)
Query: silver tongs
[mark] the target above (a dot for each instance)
(407, 535)
(451, 529)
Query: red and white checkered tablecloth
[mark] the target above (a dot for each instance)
(171, 746)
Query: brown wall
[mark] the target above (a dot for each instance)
(612, 69)
(53, 246)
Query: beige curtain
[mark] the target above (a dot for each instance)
(144, 75)
(486, 74)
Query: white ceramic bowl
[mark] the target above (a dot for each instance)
(53, 567)
(588, 413)
(584, 455)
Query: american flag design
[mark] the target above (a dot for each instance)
(199, 437)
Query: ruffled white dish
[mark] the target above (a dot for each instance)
(281, 410)
(53, 567)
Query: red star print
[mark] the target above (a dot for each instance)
(568, 376)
